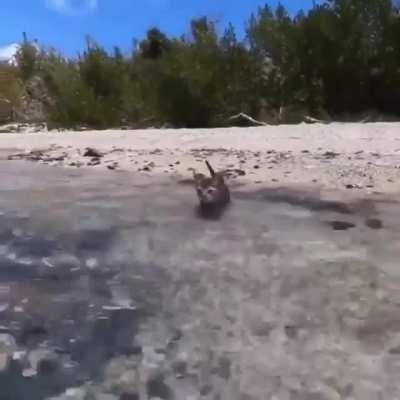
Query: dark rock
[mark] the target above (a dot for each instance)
(352, 186)
(331, 154)
(206, 390)
(395, 350)
(224, 368)
(42, 361)
(262, 329)
(341, 225)
(256, 167)
(129, 396)
(47, 366)
(112, 167)
(156, 387)
(240, 172)
(348, 390)
(136, 350)
(91, 152)
(33, 330)
(180, 368)
(178, 334)
(374, 223)
(291, 331)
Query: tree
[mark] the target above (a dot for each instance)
(155, 45)
(27, 58)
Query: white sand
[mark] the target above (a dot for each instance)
(368, 154)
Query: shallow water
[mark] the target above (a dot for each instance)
(88, 259)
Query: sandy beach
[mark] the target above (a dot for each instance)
(360, 157)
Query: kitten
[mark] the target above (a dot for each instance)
(212, 191)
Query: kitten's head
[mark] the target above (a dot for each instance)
(208, 189)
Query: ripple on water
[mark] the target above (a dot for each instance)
(68, 311)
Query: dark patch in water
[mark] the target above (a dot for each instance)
(297, 199)
(211, 212)
(70, 307)
(87, 241)
(15, 387)
(108, 336)
(33, 331)
(341, 225)
(129, 396)
(374, 223)
(12, 271)
(156, 387)
(34, 246)
(186, 182)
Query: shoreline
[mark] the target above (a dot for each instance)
(362, 158)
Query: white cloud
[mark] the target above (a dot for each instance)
(7, 53)
(72, 7)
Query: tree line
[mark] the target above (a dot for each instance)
(342, 57)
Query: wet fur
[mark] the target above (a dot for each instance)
(212, 191)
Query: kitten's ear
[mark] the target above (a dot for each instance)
(210, 168)
(197, 177)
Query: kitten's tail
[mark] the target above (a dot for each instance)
(210, 168)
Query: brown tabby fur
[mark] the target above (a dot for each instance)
(212, 191)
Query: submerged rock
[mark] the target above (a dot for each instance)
(91, 152)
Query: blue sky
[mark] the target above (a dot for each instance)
(63, 24)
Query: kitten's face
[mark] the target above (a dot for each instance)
(207, 189)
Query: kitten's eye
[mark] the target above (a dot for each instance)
(210, 190)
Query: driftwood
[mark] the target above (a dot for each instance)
(312, 120)
(246, 120)
(36, 155)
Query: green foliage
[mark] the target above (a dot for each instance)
(155, 45)
(11, 91)
(341, 56)
(337, 57)
(10, 85)
(27, 58)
